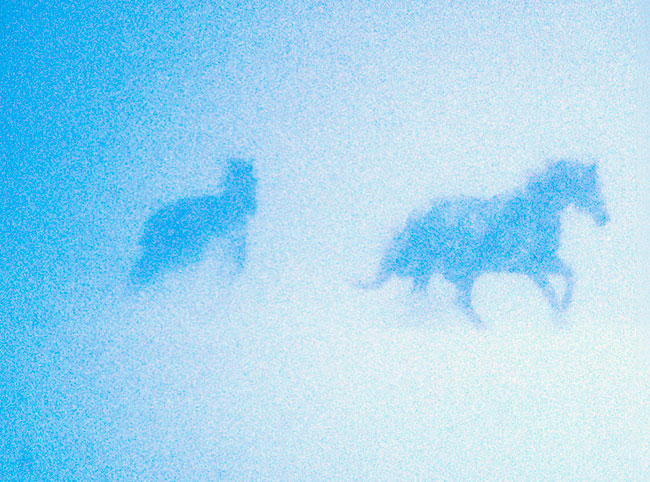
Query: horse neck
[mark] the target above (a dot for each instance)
(546, 199)
(240, 194)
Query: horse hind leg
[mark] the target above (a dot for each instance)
(465, 301)
(567, 274)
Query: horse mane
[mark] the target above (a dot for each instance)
(556, 173)
(550, 175)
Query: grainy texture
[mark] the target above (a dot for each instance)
(464, 238)
(177, 234)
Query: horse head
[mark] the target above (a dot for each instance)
(239, 172)
(240, 184)
(574, 183)
(586, 194)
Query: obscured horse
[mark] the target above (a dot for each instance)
(176, 235)
(463, 238)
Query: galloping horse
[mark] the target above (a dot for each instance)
(177, 234)
(463, 238)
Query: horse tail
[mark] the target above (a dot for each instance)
(375, 282)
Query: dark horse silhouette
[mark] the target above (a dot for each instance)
(463, 238)
(176, 235)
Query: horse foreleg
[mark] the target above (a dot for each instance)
(548, 291)
(237, 250)
(420, 283)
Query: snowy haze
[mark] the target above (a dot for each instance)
(355, 117)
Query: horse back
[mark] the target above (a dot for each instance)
(464, 237)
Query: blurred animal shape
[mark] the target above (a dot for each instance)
(463, 238)
(177, 234)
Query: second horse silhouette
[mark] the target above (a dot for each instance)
(463, 238)
(177, 234)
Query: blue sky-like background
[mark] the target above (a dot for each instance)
(355, 115)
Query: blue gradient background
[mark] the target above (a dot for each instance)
(356, 115)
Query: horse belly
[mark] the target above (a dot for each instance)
(459, 258)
